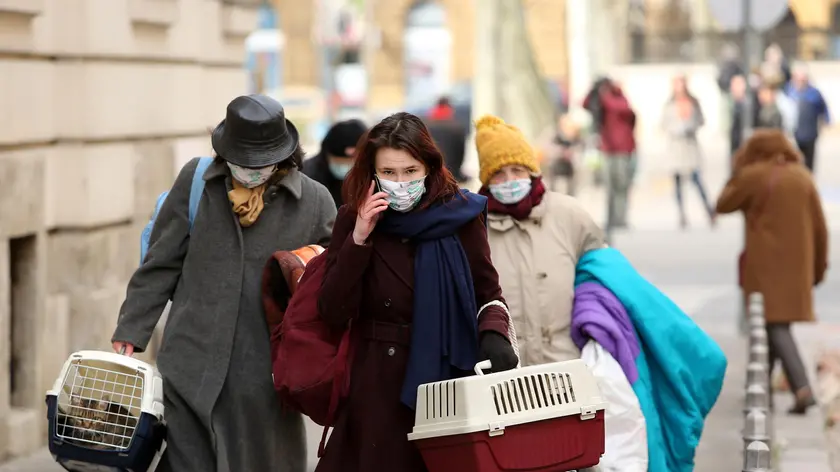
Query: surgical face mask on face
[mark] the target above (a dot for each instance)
(339, 170)
(512, 191)
(403, 196)
(250, 178)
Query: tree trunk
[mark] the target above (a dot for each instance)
(507, 80)
(525, 99)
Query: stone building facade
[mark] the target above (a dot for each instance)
(102, 101)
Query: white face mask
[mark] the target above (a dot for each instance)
(250, 178)
(512, 191)
(403, 196)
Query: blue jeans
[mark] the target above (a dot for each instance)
(698, 182)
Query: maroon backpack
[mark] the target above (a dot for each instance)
(310, 360)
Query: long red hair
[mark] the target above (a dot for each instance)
(405, 132)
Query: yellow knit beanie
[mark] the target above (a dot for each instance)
(500, 144)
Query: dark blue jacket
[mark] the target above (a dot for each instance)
(812, 109)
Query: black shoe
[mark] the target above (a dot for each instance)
(802, 405)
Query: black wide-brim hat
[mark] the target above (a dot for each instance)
(255, 133)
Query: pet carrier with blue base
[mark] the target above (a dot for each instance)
(105, 414)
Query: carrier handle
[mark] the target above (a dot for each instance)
(486, 365)
(481, 366)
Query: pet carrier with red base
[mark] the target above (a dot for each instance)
(105, 414)
(544, 418)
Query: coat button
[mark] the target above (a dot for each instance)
(388, 302)
(391, 351)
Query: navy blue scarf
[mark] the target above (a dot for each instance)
(444, 332)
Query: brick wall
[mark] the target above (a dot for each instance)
(100, 100)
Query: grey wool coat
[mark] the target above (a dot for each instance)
(221, 409)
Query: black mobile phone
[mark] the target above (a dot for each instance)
(378, 186)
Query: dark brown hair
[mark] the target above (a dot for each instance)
(766, 145)
(405, 132)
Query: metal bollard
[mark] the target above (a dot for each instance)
(756, 321)
(756, 298)
(757, 398)
(756, 374)
(755, 311)
(757, 427)
(756, 457)
(758, 335)
(760, 354)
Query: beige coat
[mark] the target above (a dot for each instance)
(786, 237)
(684, 153)
(536, 260)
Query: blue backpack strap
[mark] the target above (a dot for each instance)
(146, 234)
(197, 188)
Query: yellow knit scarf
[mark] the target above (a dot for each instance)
(248, 203)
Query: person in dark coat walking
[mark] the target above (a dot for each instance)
(222, 412)
(331, 165)
(406, 232)
(812, 116)
(616, 122)
(736, 131)
(450, 137)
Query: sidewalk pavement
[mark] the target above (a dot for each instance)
(720, 446)
(801, 440)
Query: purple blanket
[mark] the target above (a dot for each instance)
(599, 315)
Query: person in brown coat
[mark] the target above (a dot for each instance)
(786, 252)
(409, 263)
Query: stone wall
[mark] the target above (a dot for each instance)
(103, 100)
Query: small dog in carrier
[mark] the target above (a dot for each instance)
(105, 413)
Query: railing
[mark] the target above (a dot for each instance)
(758, 426)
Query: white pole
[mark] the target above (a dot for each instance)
(578, 28)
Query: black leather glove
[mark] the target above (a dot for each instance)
(498, 350)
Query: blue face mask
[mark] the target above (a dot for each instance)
(512, 191)
(340, 170)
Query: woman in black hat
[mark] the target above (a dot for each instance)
(221, 408)
(331, 165)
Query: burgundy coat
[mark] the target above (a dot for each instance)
(619, 123)
(373, 284)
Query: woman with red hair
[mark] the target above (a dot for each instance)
(786, 251)
(409, 265)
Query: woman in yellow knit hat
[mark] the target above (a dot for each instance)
(536, 237)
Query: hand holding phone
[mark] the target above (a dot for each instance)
(369, 213)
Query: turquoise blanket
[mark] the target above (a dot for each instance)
(681, 368)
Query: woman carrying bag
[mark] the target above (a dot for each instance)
(536, 238)
(221, 409)
(786, 250)
(408, 271)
